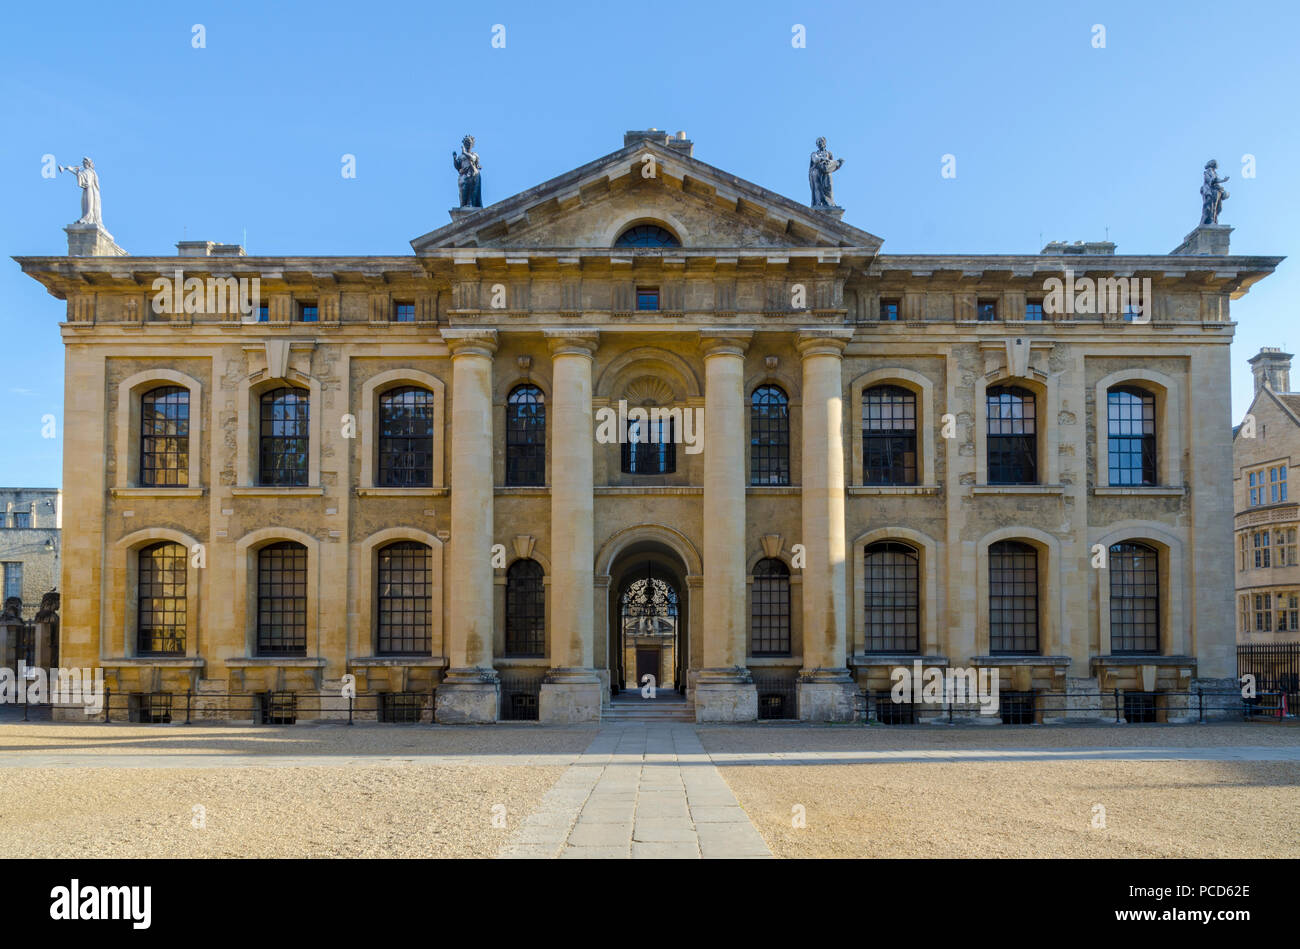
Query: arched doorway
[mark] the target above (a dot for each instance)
(649, 617)
(648, 628)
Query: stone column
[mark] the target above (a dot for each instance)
(724, 691)
(572, 690)
(826, 689)
(469, 691)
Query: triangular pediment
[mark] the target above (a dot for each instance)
(647, 181)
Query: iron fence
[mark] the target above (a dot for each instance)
(259, 708)
(777, 697)
(1118, 706)
(520, 695)
(1275, 666)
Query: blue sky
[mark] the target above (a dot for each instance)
(1054, 139)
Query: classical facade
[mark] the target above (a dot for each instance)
(648, 418)
(1265, 447)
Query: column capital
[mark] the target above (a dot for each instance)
(822, 342)
(725, 342)
(470, 342)
(572, 342)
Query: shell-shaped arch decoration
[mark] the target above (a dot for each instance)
(647, 390)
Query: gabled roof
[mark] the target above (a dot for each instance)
(1288, 402)
(805, 226)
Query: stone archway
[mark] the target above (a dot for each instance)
(648, 610)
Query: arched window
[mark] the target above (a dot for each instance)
(1134, 598)
(525, 609)
(282, 600)
(889, 435)
(1013, 598)
(769, 615)
(406, 438)
(165, 437)
(647, 235)
(649, 445)
(1131, 430)
(284, 437)
(405, 599)
(893, 598)
(161, 589)
(1012, 436)
(526, 436)
(769, 436)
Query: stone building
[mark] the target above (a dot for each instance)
(1265, 447)
(649, 417)
(30, 522)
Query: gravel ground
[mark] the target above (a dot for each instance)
(1044, 809)
(293, 739)
(378, 811)
(787, 738)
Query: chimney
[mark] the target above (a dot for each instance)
(1271, 367)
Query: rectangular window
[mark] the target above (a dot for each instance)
(649, 447)
(264, 313)
(647, 298)
(986, 311)
(13, 580)
(1288, 611)
(888, 311)
(22, 519)
(1034, 311)
(1244, 552)
(1263, 556)
(1263, 613)
(1285, 540)
(308, 313)
(1243, 605)
(403, 312)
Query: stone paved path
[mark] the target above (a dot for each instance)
(639, 791)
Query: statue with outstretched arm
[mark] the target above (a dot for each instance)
(88, 180)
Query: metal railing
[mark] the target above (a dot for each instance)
(777, 697)
(1117, 705)
(1275, 666)
(260, 708)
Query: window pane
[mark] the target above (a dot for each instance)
(647, 235)
(892, 595)
(526, 436)
(525, 609)
(161, 590)
(1134, 599)
(406, 438)
(1013, 598)
(1012, 436)
(282, 600)
(769, 619)
(405, 596)
(165, 437)
(1131, 430)
(649, 447)
(769, 436)
(284, 437)
(889, 435)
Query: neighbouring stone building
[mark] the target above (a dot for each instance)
(30, 522)
(1266, 447)
(445, 470)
